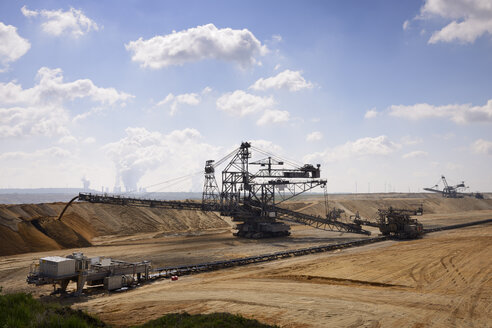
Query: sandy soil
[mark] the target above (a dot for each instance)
(35, 227)
(442, 280)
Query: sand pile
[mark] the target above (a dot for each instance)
(368, 208)
(34, 227)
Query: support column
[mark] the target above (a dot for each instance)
(80, 283)
(63, 285)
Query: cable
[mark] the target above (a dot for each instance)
(291, 162)
(173, 180)
(223, 159)
(286, 160)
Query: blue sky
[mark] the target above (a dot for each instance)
(128, 94)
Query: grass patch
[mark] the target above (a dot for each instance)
(213, 320)
(22, 310)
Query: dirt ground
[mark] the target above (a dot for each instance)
(441, 280)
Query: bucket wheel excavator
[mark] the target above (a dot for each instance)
(396, 222)
(456, 191)
(251, 194)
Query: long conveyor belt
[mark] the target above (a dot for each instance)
(217, 265)
(167, 272)
(457, 226)
(318, 222)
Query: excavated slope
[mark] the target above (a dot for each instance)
(34, 227)
(368, 208)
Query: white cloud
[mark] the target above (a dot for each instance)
(470, 19)
(445, 136)
(314, 136)
(481, 146)
(290, 80)
(12, 46)
(48, 153)
(206, 90)
(195, 44)
(87, 114)
(57, 22)
(277, 38)
(39, 110)
(267, 146)
(272, 116)
(142, 151)
(69, 139)
(354, 149)
(371, 113)
(191, 99)
(37, 121)
(415, 154)
(51, 89)
(240, 103)
(408, 140)
(406, 25)
(458, 113)
(89, 140)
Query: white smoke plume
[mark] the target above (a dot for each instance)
(86, 183)
(146, 157)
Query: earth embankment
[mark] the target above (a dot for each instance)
(435, 207)
(35, 227)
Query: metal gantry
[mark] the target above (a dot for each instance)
(211, 193)
(251, 197)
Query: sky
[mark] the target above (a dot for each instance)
(385, 95)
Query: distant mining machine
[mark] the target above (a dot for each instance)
(396, 222)
(456, 191)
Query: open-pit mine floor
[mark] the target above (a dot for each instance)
(441, 280)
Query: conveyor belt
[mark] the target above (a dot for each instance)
(118, 200)
(217, 265)
(284, 214)
(318, 222)
(457, 226)
(167, 272)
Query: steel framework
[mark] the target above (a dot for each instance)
(211, 193)
(251, 198)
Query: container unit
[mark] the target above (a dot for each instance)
(118, 281)
(113, 282)
(56, 266)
